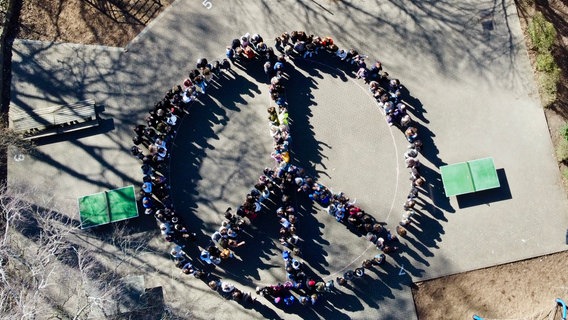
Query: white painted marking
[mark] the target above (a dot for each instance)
(366, 91)
(401, 272)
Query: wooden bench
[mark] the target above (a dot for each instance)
(55, 120)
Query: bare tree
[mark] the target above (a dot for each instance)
(47, 272)
(11, 144)
(10, 139)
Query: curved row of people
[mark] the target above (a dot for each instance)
(299, 44)
(285, 178)
(292, 179)
(152, 142)
(388, 94)
(160, 130)
(386, 90)
(229, 291)
(298, 287)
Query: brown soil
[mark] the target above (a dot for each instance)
(104, 22)
(525, 289)
(515, 290)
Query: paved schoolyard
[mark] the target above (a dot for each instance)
(465, 66)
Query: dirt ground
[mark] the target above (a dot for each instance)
(525, 289)
(111, 23)
(520, 290)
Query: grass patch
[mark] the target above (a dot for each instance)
(562, 151)
(548, 82)
(545, 62)
(565, 174)
(564, 131)
(543, 35)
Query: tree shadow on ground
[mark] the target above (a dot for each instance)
(65, 252)
(196, 131)
(447, 33)
(191, 143)
(262, 232)
(432, 194)
(432, 199)
(68, 81)
(138, 12)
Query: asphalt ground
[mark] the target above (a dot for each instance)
(470, 87)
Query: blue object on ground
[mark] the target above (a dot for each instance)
(563, 304)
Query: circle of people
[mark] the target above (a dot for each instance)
(283, 181)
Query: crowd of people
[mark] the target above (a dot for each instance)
(152, 141)
(289, 181)
(388, 94)
(308, 290)
(283, 182)
(229, 291)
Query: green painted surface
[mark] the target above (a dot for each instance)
(122, 204)
(471, 176)
(457, 179)
(106, 207)
(93, 210)
(483, 174)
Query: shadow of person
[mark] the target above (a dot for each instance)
(434, 190)
(427, 230)
(266, 311)
(414, 105)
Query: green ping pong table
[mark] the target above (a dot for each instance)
(470, 176)
(108, 206)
